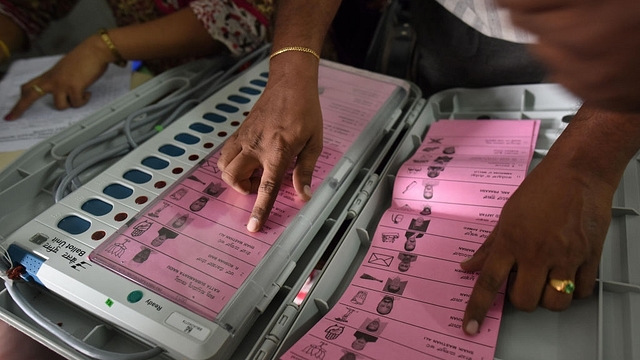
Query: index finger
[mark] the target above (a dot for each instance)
(28, 95)
(492, 277)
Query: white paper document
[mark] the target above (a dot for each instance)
(42, 120)
(489, 19)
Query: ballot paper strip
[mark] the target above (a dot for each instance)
(42, 120)
(192, 246)
(408, 296)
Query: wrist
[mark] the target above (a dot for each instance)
(97, 48)
(302, 49)
(598, 143)
(293, 70)
(294, 66)
(116, 57)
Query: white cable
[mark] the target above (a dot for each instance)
(215, 81)
(163, 105)
(60, 191)
(7, 258)
(226, 78)
(75, 153)
(69, 339)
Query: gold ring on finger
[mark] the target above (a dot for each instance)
(564, 286)
(38, 89)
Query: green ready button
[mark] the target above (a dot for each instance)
(134, 296)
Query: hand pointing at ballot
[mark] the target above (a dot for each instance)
(552, 229)
(285, 124)
(277, 131)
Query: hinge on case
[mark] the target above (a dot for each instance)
(277, 333)
(416, 109)
(363, 195)
(392, 119)
(271, 292)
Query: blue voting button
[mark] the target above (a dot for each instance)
(74, 225)
(134, 296)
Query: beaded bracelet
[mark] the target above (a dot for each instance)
(5, 49)
(120, 61)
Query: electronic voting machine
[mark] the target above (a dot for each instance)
(156, 244)
(149, 256)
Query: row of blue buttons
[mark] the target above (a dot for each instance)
(76, 225)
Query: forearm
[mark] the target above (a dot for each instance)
(301, 23)
(599, 143)
(180, 34)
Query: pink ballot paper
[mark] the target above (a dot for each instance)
(192, 247)
(408, 296)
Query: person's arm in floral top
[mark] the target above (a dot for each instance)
(204, 28)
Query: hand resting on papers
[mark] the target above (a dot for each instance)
(177, 37)
(67, 80)
(554, 225)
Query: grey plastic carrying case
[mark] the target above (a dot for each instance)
(603, 326)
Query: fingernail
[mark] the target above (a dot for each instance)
(307, 190)
(252, 226)
(472, 327)
(466, 260)
(9, 117)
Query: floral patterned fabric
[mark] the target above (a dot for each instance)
(235, 23)
(239, 24)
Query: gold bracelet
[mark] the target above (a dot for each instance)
(5, 49)
(295, 48)
(120, 61)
